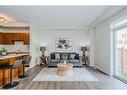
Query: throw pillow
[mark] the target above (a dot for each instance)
(57, 56)
(52, 55)
(76, 56)
(72, 56)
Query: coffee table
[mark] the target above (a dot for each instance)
(64, 70)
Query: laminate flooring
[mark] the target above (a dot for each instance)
(105, 82)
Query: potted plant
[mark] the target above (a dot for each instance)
(65, 59)
(4, 51)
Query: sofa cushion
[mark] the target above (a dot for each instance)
(72, 56)
(74, 61)
(57, 56)
(55, 61)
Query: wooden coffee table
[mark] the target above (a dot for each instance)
(63, 70)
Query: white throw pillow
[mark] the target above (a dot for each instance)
(57, 56)
(72, 56)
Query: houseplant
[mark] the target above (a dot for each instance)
(64, 59)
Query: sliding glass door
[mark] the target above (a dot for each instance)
(120, 63)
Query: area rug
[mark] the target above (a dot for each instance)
(79, 74)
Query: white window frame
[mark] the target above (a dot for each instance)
(113, 29)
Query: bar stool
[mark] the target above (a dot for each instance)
(12, 84)
(25, 62)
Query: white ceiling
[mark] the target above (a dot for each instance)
(53, 16)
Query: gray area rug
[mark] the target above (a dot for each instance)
(79, 74)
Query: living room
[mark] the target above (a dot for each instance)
(71, 47)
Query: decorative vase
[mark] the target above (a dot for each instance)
(65, 62)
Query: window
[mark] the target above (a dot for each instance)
(120, 49)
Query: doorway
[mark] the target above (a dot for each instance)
(120, 51)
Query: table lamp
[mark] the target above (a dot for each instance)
(43, 49)
(84, 49)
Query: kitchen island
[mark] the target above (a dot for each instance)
(9, 60)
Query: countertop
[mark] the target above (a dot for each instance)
(12, 55)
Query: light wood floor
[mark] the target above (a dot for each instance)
(105, 82)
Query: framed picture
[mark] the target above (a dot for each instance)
(63, 44)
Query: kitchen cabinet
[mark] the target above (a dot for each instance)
(10, 38)
(19, 36)
(1, 38)
(5, 38)
(26, 38)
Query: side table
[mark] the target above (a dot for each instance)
(85, 59)
(43, 61)
(64, 70)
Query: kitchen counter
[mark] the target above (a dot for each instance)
(9, 59)
(24, 52)
(12, 56)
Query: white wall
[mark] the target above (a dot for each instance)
(46, 37)
(103, 58)
(92, 46)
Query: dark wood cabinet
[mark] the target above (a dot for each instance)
(1, 38)
(19, 36)
(5, 38)
(26, 38)
(10, 38)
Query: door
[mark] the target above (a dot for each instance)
(120, 50)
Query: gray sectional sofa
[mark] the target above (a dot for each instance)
(58, 57)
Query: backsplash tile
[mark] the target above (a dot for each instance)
(15, 48)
